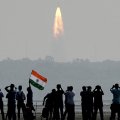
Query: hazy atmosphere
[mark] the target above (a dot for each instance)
(91, 32)
(91, 29)
(76, 73)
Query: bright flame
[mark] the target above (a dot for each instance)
(58, 23)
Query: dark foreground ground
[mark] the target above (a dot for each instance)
(77, 116)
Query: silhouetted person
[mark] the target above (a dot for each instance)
(70, 103)
(59, 95)
(49, 103)
(20, 97)
(115, 106)
(30, 98)
(66, 105)
(11, 96)
(89, 103)
(83, 95)
(98, 102)
(1, 104)
(28, 114)
(29, 105)
(56, 115)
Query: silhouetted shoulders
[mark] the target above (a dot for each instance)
(1, 95)
(115, 91)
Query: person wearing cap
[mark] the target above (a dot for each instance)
(98, 102)
(11, 96)
(115, 106)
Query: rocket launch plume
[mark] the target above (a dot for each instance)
(58, 24)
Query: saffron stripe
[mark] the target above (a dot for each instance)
(42, 83)
(39, 76)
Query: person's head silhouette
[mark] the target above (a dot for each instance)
(53, 90)
(29, 89)
(89, 88)
(12, 86)
(116, 86)
(98, 87)
(20, 87)
(58, 86)
(70, 88)
(84, 88)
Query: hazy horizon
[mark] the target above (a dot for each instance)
(55, 60)
(91, 29)
(91, 33)
(77, 73)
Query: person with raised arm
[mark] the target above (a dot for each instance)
(59, 97)
(115, 106)
(11, 96)
(98, 102)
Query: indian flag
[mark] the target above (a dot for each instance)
(37, 80)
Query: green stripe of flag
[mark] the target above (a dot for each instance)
(36, 84)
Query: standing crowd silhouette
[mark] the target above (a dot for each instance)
(91, 102)
(14, 95)
(54, 104)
